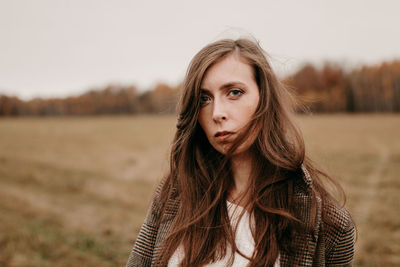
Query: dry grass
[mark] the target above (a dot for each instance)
(363, 151)
(74, 191)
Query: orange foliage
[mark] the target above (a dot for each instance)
(368, 89)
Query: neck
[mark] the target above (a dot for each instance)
(241, 168)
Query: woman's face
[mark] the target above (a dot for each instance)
(229, 98)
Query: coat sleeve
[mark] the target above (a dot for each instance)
(342, 251)
(142, 252)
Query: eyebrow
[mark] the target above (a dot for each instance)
(225, 86)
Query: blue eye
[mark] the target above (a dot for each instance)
(235, 92)
(204, 99)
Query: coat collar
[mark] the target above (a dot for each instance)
(306, 176)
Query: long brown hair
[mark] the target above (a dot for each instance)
(200, 177)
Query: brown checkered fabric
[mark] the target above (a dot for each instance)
(327, 245)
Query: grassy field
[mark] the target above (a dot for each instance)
(74, 191)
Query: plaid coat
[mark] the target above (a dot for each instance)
(327, 245)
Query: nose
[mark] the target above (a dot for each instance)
(219, 111)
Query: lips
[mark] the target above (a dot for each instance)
(223, 135)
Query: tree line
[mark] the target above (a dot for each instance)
(114, 99)
(365, 89)
(327, 89)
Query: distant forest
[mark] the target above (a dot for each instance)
(326, 89)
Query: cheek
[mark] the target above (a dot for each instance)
(247, 110)
(245, 115)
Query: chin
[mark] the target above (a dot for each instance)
(221, 150)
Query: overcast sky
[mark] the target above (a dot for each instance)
(57, 48)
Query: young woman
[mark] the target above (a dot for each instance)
(240, 190)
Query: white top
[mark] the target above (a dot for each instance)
(244, 241)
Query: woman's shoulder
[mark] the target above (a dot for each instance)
(339, 233)
(337, 228)
(333, 212)
(332, 216)
(336, 216)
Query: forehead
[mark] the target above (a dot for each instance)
(231, 68)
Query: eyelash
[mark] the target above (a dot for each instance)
(237, 91)
(201, 99)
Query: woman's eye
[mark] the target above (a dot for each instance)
(204, 99)
(235, 92)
